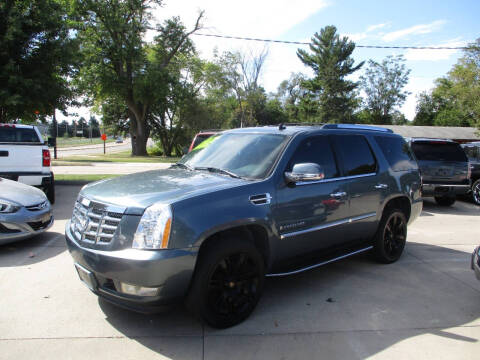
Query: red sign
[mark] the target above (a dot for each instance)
(104, 137)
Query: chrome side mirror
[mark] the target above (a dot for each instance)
(305, 172)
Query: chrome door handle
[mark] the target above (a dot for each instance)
(381, 186)
(338, 194)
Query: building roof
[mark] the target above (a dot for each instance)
(443, 132)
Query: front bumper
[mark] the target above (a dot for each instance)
(168, 270)
(475, 263)
(444, 190)
(24, 224)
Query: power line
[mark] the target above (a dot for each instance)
(359, 46)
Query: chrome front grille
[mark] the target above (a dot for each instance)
(95, 223)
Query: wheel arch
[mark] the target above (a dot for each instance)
(401, 202)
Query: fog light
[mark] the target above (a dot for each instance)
(138, 290)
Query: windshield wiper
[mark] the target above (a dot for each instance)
(184, 166)
(217, 170)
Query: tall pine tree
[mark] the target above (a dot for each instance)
(333, 96)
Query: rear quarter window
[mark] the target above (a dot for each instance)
(397, 152)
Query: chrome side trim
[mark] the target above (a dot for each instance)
(445, 185)
(334, 223)
(300, 183)
(319, 264)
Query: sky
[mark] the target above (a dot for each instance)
(446, 23)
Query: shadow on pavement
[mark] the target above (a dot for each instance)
(351, 309)
(65, 199)
(31, 251)
(458, 208)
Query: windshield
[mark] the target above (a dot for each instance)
(245, 155)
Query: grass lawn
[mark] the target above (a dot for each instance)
(74, 141)
(84, 177)
(123, 156)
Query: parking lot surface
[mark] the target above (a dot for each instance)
(427, 305)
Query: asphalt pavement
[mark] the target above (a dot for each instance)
(425, 306)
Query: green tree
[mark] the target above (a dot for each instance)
(383, 84)
(119, 65)
(331, 95)
(454, 99)
(290, 93)
(37, 54)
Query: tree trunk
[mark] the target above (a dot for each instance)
(138, 129)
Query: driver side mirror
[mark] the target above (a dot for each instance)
(305, 172)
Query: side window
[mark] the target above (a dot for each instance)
(356, 154)
(397, 152)
(316, 150)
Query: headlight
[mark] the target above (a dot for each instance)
(7, 207)
(153, 231)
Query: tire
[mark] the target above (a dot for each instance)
(227, 283)
(476, 192)
(50, 191)
(391, 236)
(445, 200)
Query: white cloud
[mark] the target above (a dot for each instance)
(413, 30)
(376, 27)
(435, 55)
(366, 33)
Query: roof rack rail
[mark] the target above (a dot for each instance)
(358, 127)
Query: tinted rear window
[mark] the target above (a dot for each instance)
(397, 152)
(438, 151)
(356, 155)
(8, 134)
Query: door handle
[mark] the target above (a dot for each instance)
(339, 194)
(381, 186)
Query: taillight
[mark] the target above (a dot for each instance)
(46, 157)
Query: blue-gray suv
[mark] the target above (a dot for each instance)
(246, 204)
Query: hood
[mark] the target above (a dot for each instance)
(140, 190)
(21, 194)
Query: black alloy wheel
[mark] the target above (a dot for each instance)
(233, 286)
(395, 235)
(476, 192)
(227, 283)
(391, 236)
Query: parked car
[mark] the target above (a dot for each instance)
(119, 140)
(201, 137)
(444, 168)
(472, 150)
(24, 211)
(212, 226)
(24, 157)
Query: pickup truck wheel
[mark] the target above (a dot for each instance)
(50, 192)
(476, 192)
(228, 283)
(391, 236)
(445, 200)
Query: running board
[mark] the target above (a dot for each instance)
(319, 264)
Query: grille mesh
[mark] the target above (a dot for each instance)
(93, 223)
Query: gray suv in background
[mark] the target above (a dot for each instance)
(253, 203)
(444, 168)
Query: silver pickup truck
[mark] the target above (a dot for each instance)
(24, 157)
